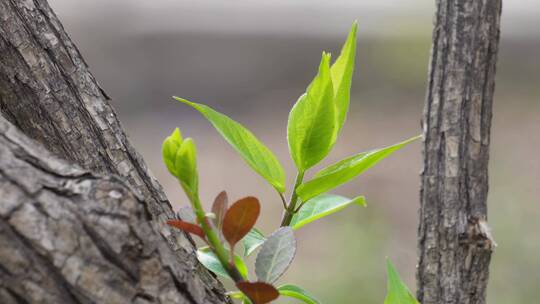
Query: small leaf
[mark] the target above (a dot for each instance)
(342, 72)
(345, 170)
(186, 166)
(321, 206)
(276, 255)
(169, 148)
(209, 259)
(239, 219)
(252, 241)
(255, 153)
(235, 295)
(219, 208)
(312, 123)
(186, 214)
(397, 293)
(258, 292)
(296, 292)
(187, 227)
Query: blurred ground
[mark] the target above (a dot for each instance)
(251, 61)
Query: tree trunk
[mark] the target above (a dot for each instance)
(48, 92)
(70, 236)
(454, 242)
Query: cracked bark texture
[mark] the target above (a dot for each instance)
(455, 244)
(70, 236)
(48, 92)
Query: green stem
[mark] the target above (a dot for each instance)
(214, 241)
(290, 210)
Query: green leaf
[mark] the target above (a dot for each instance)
(180, 157)
(238, 295)
(296, 292)
(397, 293)
(169, 148)
(186, 166)
(276, 255)
(312, 123)
(212, 263)
(252, 241)
(235, 295)
(342, 72)
(255, 153)
(345, 170)
(321, 206)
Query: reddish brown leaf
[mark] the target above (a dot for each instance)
(258, 292)
(187, 227)
(240, 218)
(219, 208)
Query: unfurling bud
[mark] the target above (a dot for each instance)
(180, 157)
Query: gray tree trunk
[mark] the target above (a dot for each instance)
(455, 245)
(70, 236)
(48, 93)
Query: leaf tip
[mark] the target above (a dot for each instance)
(361, 201)
(182, 100)
(354, 27)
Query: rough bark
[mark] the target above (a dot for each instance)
(48, 92)
(70, 236)
(455, 245)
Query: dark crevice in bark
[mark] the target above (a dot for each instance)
(109, 254)
(63, 287)
(17, 297)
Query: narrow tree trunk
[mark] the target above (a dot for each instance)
(70, 236)
(48, 92)
(455, 245)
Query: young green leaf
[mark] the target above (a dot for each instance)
(219, 208)
(239, 219)
(345, 170)
(258, 292)
(276, 255)
(298, 293)
(342, 72)
(255, 153)
(186, 166)
(252, 241)
(180, 157)
(169, 148)
(235, 295)
(312, 122)
(397, 293)
(187, 227)
(321, 206)
(212, 263)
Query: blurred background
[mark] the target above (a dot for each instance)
(252, 59)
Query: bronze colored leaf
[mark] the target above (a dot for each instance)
(219, 208)
(258, 292)
(239, 219)
(187, 227)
